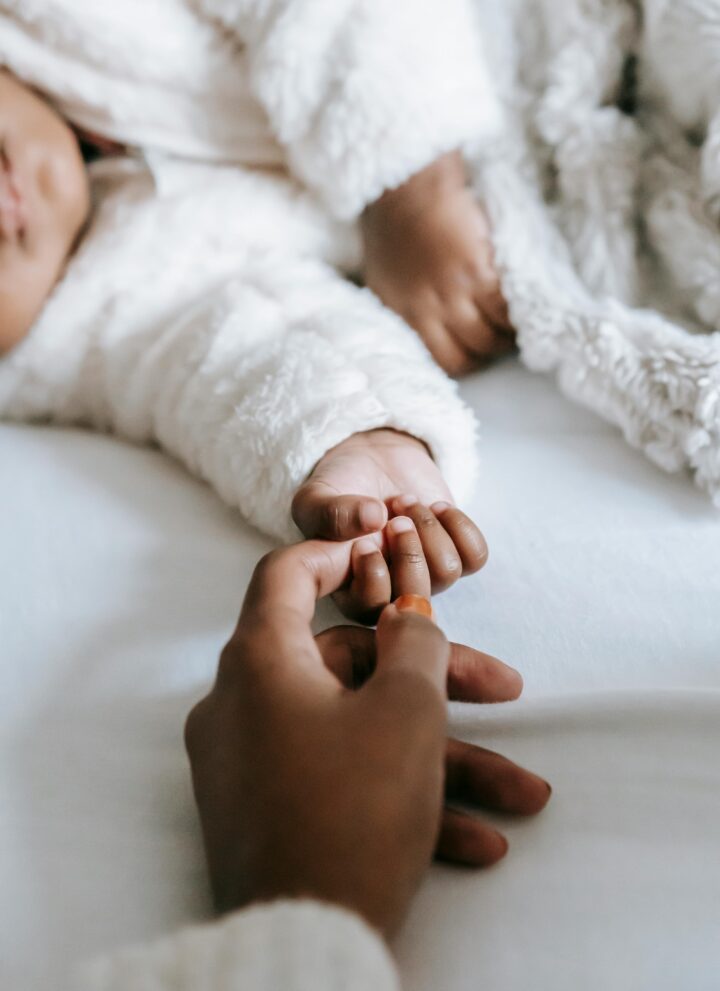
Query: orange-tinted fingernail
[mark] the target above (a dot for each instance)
(415, 603)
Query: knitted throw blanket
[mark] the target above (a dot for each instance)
(604, 196)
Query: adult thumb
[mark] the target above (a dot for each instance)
(409, 643)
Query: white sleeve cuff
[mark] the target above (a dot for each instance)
(365, 93)
(286, 946)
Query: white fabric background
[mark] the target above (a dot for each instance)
(122, 576)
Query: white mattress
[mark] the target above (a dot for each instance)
(122, 576)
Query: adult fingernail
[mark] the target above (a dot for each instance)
(372, 516)
(440, 507)
(415, 603)
(401, 524)
(404, 502)
(365, 546)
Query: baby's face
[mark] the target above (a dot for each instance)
(44, 202)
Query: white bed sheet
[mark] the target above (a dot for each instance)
(122, 576)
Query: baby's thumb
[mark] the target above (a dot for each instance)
(409, 642)
(325, 515)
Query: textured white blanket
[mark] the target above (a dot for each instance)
(206, 309)
(243, 351)
(604, 194)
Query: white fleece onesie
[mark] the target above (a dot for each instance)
(205, 309)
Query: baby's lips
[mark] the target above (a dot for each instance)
(417, 604)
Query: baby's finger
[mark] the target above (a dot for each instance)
(480, 777)
(491, 302)
(370, 586)
(321, 513)
(443, 560)
(467, 538)
(503, 342)
(409, 570)
(447, 352)
(469, 841)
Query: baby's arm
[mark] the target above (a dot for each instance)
(371, 101)
(248, 378)
(364, 94)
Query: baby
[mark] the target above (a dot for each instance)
(44, 204)
(204, 306)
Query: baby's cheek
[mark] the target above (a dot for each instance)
(25, 284)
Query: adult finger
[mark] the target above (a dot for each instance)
(477, 677)
(408, 566)
(273, 634)
(296, 577)
(480, 777)
(409, 643)
(350, 653)
(465, 535)
(469, 841)
(320, 512)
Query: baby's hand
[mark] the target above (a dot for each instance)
(424, 551)
(362, 483)
(429, 257)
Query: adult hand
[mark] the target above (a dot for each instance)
(307, 788)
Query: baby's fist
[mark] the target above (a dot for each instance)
(429, 257)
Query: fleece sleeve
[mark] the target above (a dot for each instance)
(293, 946)
(364, 93)
(247, 369)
